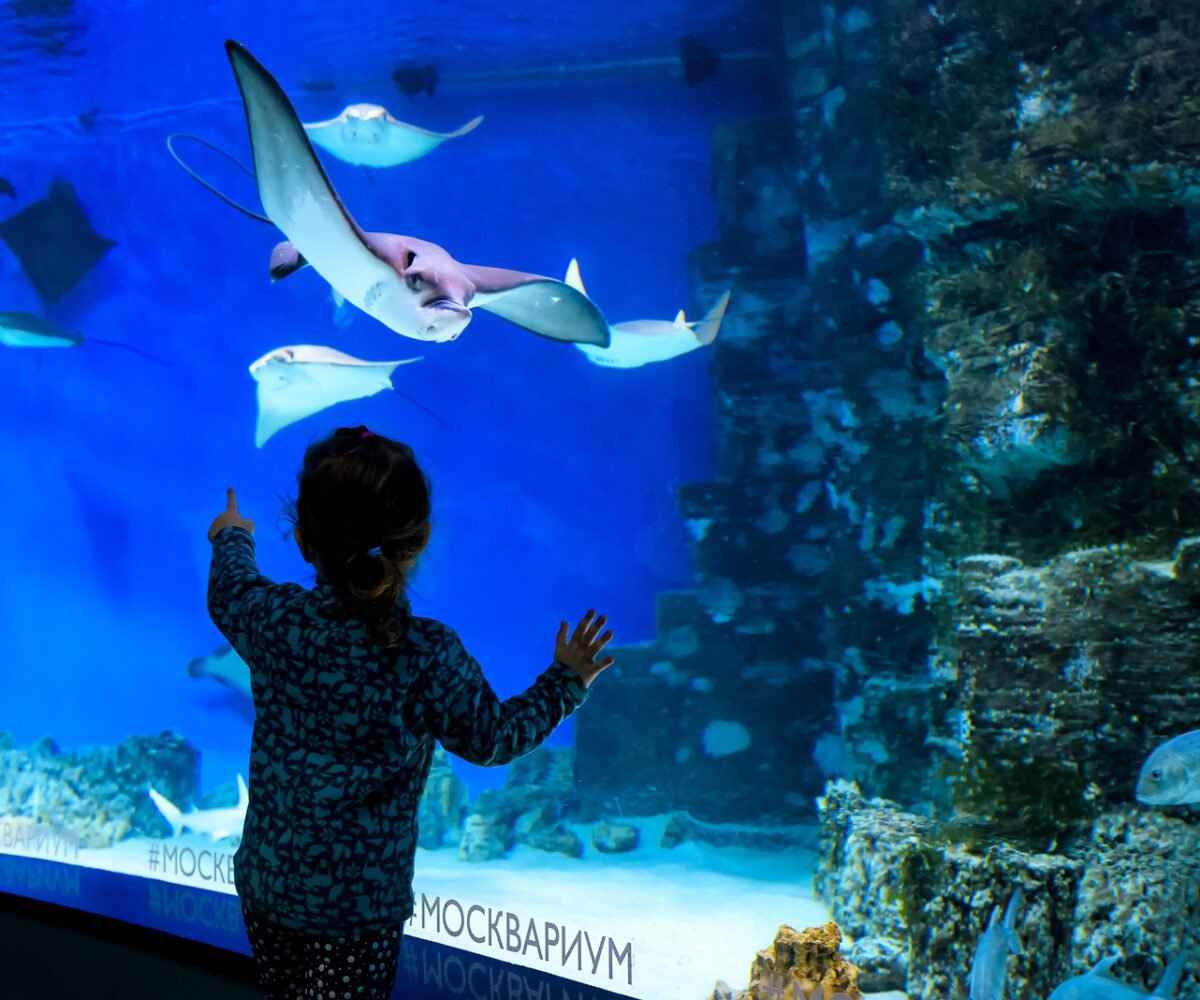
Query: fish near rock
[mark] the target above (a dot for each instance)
(990, 962)
(1097, 984)
(1171, 774)
(215, 823)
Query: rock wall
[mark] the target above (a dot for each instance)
(801, 651)
(921, 900)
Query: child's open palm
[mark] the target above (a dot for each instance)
(580, 651)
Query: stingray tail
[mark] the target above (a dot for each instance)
(205, 184)
(417, 403)
(129, 347)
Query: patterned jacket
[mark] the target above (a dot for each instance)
(343, 739)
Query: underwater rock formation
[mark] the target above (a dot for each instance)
(802, 964)
(527, 809)
(892, 876)
(443, 804)
(921, 893)
(1068, 674)
(481, 840)
(801, 647)
(98, 796)
(614, 838)
(1139, 896)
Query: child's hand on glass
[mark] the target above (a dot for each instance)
(579, 653)
(229, 516)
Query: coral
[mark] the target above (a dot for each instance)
(809, 960)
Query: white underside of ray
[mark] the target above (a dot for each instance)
(297, 198)
(638, 342)
(25, 338)
(289, 391)
(641, 342)
(377, 142)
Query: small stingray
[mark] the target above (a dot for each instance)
(642, 341)
(22, 329)
(54, 241)
(296, 382)
(368, 136)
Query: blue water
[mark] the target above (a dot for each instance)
(553, 479)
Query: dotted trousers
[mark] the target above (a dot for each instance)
(296, 965)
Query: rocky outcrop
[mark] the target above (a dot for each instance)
(803, 964)
(801, 646)
(98, 796)
(527, 809)
(614, 838)
(915, 895)
(1046, 657)
(443, 804)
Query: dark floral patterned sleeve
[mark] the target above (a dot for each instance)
(239, 597)
(454, 702)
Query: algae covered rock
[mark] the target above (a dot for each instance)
(1139, 895)
(810, 958)
(481, 840)
(891, 875)
(1068, 674)
(614, 838)
(443, 804)
(805, 964)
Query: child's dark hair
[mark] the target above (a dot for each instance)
(363, 513)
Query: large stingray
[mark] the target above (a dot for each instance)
(643, 341)
(54, 241)
(413, 287)
(296, 382)
(368, 136)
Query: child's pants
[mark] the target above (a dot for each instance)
(295, 964)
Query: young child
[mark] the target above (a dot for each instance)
(351, 690)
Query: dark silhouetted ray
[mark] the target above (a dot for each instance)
(54, 241)
(699, 60)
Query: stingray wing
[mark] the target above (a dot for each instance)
(544, 306)
(294, 190)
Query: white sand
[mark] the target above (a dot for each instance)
(691, 915)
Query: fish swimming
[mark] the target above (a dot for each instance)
(296, 382)
(368, 136)
(216, 823)
(54, 242)
(413, 287)
(996, 943)
(643, 341)
(22, 329)
(1171, 774)
(1096, 984)
(226, 667)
